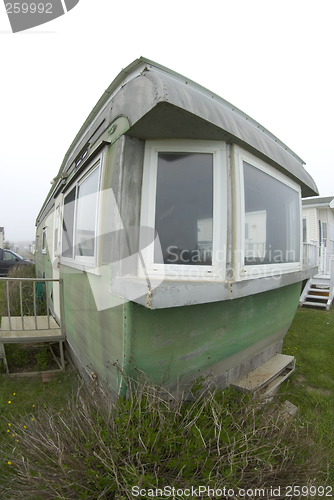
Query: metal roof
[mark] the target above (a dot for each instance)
(319, 201)
(160, 103)
(140, 88)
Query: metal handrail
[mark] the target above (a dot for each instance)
(46, 334)
(34, 280)
(310, 255)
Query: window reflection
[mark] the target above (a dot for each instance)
(272, 225)
(86, 215)
(184, 208)
(68, 224)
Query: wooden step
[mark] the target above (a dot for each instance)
(315, 304)
(319, 282)
(319, 297)
(41, 328)
(267, 377)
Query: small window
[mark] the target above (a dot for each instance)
(81, 156)
(56, 235)
(80, 218)
(68, 224)
(87, 197)
(305, 232)
(324, 233)
(44, 241)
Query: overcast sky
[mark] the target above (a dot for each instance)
(272, 59)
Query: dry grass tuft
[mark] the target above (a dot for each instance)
(88, 451)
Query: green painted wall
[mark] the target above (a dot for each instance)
(98, 334)
(180, 341)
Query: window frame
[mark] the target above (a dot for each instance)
(215, 271)
(324, 233)
(306, 218)
(85, 263)
(44, 240)
(57, 229)
(242, 271)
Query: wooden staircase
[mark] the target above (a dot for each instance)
(318, 292)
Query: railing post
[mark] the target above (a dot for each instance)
(34, 298)
(47, 303)
(61, 301)
(8, 308)
(21, 306)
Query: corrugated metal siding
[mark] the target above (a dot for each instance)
(323, 215)
(331, 216)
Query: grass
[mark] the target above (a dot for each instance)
(311, 340)
(63, 443)
(27, 395)
(87, 450)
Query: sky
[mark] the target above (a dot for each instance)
(271, 59)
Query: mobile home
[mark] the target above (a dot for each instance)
(175, 224)
(318, 227)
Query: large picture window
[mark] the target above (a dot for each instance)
(184, 208)
(80, 218)
(269, 219)
(272, 220)
(184, 200)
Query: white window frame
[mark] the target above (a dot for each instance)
(85, 263)
(324, 230)
(216, 271)
(57, 227)
(243, 272)
(306, 217)
(44, 240)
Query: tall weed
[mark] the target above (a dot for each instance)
(153, 440)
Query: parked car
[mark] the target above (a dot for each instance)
(9, 259)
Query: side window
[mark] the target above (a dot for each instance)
(86, 216)
(44, 240)
(305, 235)
(80, 218)
(68, 224)
(324, 233)
(56, 230)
